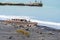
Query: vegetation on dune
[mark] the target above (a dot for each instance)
(23, 32)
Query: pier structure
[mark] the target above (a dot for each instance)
(37, 4)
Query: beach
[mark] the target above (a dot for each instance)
(8, 32)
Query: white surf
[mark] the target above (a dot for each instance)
(44, 23)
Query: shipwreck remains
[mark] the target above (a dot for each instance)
(20, 22)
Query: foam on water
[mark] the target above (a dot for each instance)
(14, 17)
(48, 24)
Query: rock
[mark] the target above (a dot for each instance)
(10, 37)
(40, 32)
(50, 33)
(27, 29)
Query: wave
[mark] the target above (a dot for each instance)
(45, 23)
(48, 24)
(13, 17)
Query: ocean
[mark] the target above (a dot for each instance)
(44, 13)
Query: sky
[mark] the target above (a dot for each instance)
(49, 12)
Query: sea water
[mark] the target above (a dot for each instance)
(40, 13)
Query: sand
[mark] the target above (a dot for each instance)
(8, 32)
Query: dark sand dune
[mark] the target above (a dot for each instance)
(8, 32)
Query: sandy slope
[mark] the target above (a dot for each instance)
(7, 31)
